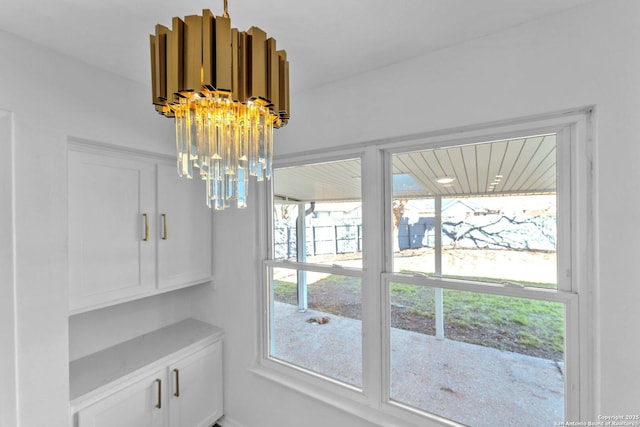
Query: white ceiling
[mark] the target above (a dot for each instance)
(325, 41)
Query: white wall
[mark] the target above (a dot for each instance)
(7, 291)
(585, 56)
(52, 97)
(96, 330)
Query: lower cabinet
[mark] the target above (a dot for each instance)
(137, 405)
(181, 390)
(195, 397)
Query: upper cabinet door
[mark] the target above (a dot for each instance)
(111, 219)
(184, 230)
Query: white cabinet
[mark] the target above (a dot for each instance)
(196, 388)
(135, 228)
(136, 405)
(184, 228)
(171, 377)
(110, 204)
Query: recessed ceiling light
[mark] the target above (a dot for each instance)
(445, 180)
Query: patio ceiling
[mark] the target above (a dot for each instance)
(516, 166)
(323, 182)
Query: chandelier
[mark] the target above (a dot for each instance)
(226, 90)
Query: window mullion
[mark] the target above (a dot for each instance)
(373, 263)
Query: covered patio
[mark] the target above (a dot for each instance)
(471, 384)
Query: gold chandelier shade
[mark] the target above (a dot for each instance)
(227, 90)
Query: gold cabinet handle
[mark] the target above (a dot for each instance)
(164, 226)
(177, 393)
(159, 404)
(146, 227)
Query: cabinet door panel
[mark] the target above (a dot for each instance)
(108, 258)
(184, 252)
(133, 406)
(199, 403)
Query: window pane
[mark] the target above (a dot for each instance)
(496, 361)
(484, 212)
(510, 238)
(319, 206)
(327, 337)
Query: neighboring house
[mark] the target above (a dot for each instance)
(510, 228)
(349, 212)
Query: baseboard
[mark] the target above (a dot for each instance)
(228, 422)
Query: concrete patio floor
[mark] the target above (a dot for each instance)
(470, 384)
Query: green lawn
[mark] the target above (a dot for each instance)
(516, 324)
(532, 326)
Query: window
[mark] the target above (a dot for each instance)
(437, 278)
(471, 321)
(315, 298)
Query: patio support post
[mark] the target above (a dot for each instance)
(301, 252)
(438, 293)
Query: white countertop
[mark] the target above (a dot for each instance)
(103, 367)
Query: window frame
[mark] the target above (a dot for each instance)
(575, 252)
(297, 377)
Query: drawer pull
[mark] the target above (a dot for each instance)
(177, 393)
(159, 404)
